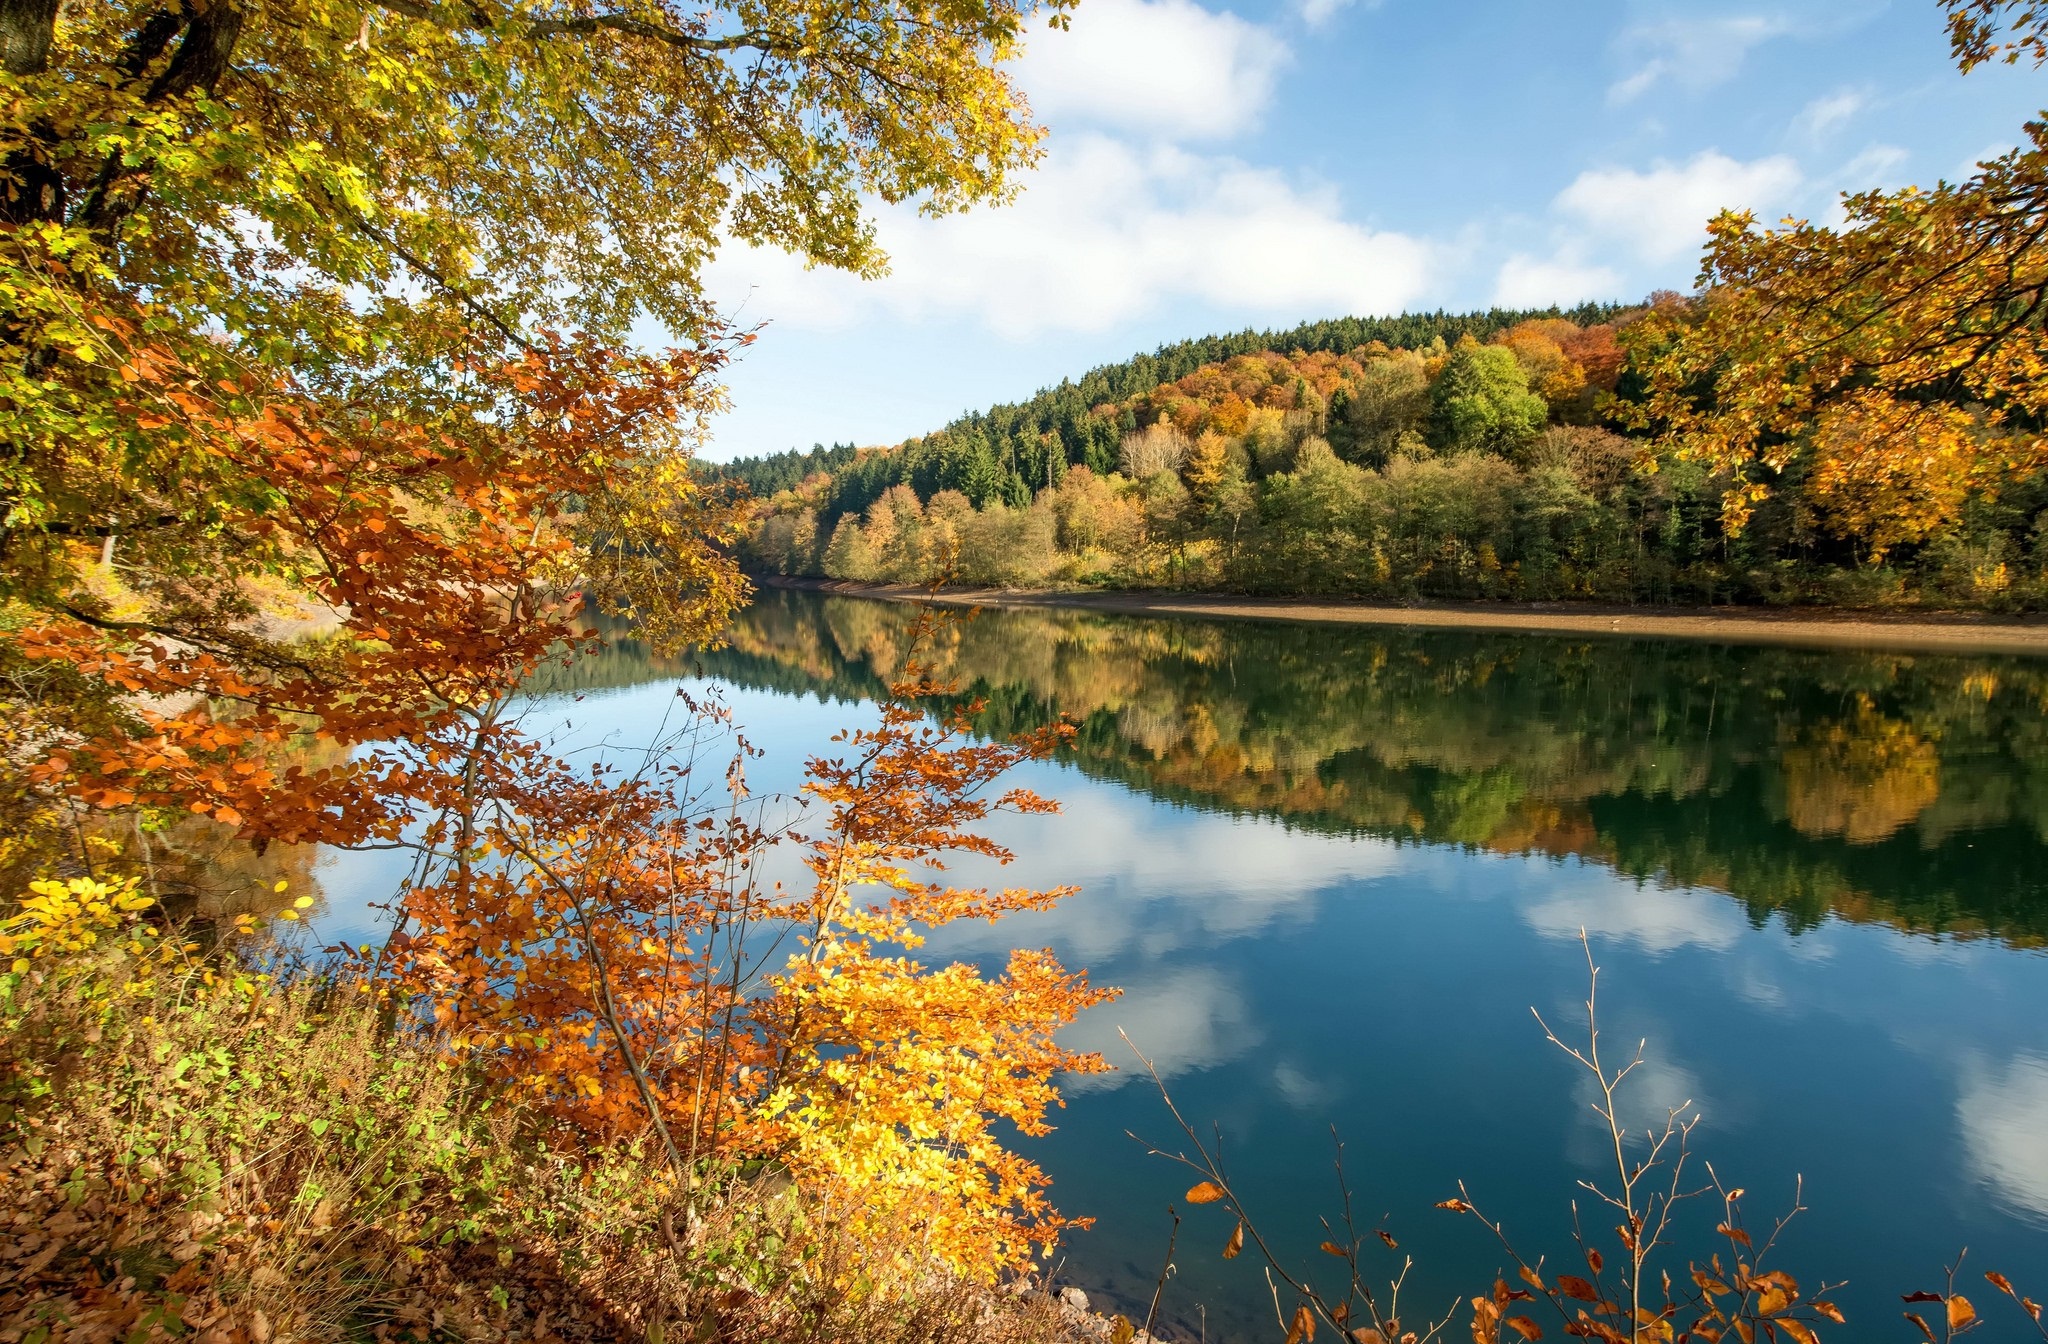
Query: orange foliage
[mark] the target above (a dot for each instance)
(1221, 396)
(1899, 355)
(1891, 473)
(603, 944)
(616, 951)
(430, 543)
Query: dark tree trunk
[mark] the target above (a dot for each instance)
(26, 29)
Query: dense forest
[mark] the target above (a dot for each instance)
(1505, 455)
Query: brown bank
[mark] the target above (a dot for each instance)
(1943, 632)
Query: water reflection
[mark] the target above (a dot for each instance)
(2003, 1113)
(1906, 789)
(1334, 868)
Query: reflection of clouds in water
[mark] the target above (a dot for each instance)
(1154, 881)
(1816, 944)
(1655, 919)
(1182, 1018)
(1752, 986)
(1304, 1091)
(2003, 1115)
(1642, 1104)
(1936, 950)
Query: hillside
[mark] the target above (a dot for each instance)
(1499, 455)
(1013, 432)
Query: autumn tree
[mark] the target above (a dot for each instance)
(262, 198)
(1150, 451)
(330, 306)
(1896, 362)
(1368, 420)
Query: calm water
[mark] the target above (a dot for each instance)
(1334, 869)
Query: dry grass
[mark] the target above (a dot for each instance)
(240, 1163)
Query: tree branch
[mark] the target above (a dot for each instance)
(540, 30)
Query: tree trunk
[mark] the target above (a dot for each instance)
(26, 30)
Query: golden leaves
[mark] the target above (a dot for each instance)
(1881, 363)
(1206, 1192)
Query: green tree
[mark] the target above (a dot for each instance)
(1481, 402)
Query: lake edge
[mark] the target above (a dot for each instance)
(1820, 627)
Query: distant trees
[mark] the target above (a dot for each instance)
(1848, 414)
(1493, 469)
(1369, 419)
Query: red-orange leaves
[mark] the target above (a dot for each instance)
(430, 550)
(1572, 1286)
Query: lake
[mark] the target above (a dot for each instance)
(1334, 868)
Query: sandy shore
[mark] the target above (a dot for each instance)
(1811, 627)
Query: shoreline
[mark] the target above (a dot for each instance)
(1809, 627)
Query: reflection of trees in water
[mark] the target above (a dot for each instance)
(199, 868)
(1864, 777)
(1911, 789)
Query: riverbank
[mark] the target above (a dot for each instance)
(1930, 632)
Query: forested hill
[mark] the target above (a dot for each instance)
(1065, 410)
(1498, 455)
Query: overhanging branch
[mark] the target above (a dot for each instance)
(475, 20)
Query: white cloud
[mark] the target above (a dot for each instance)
(1873, 166)
(1103, 233)
(1534, 282)
(1695, 54)
(1153, 881)
(1165, 68)
(1662, 213)
(1828, 112)
(2005, 1143)
(1654, 1092)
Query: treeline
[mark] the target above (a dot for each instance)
(1488, 456)
(1006, 451)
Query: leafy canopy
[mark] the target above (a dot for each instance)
(1482, 402)
(278, 285)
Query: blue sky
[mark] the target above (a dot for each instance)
(1211, 168)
